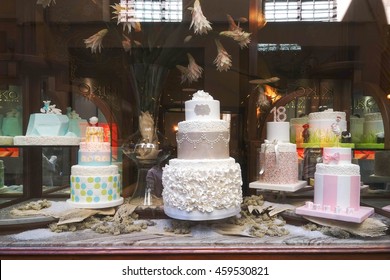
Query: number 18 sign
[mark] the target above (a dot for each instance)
(279, 114)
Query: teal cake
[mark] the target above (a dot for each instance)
(49, 127)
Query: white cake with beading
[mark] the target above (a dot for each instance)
(203, 182)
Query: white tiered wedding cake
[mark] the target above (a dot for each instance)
(203, 182)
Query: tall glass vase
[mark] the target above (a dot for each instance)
(146, 146)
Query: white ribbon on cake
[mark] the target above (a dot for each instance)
(268, 144)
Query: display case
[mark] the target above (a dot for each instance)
(134, 64)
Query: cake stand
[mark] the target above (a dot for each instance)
(386, 208)
(195, 215)
(353, 217)
(278, 187)
(97, 205)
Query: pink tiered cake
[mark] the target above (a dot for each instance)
(278, 160)
(336, 189)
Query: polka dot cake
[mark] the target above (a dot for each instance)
(98, 189)
(94, 183)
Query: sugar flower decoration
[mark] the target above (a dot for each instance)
(192, 72)
(236, 33)
(45, 3)
(95, 41)
(129, 23)
(223, 61)
(199, 21)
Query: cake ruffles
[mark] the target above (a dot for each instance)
(190, 185)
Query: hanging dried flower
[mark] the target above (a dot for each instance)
(95, 41)
(129, 24)
(236, 33)
(184, 73)
(241, 37)
(191, 73)
(223, 61)
(118, 8)
(195, 71)
(45, 3)
(199, 21)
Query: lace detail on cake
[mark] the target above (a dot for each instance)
(203, 126)
(202, 138)
(338, 169)
(373, 117)
(326, 115)
(80, 170)
(95, 146)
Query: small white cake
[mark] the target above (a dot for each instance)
(372, 126)
(279, 131)
(326, 127)
(356, 125)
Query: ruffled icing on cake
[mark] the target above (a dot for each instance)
(192, 185)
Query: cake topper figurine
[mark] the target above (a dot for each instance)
(380, 137)
(306, 133)
(336, 129)
(322, 108)
(346, 137)
(93, 121)
(50, 109)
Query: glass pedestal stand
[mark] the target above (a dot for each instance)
(148, 159)
(144, 187)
